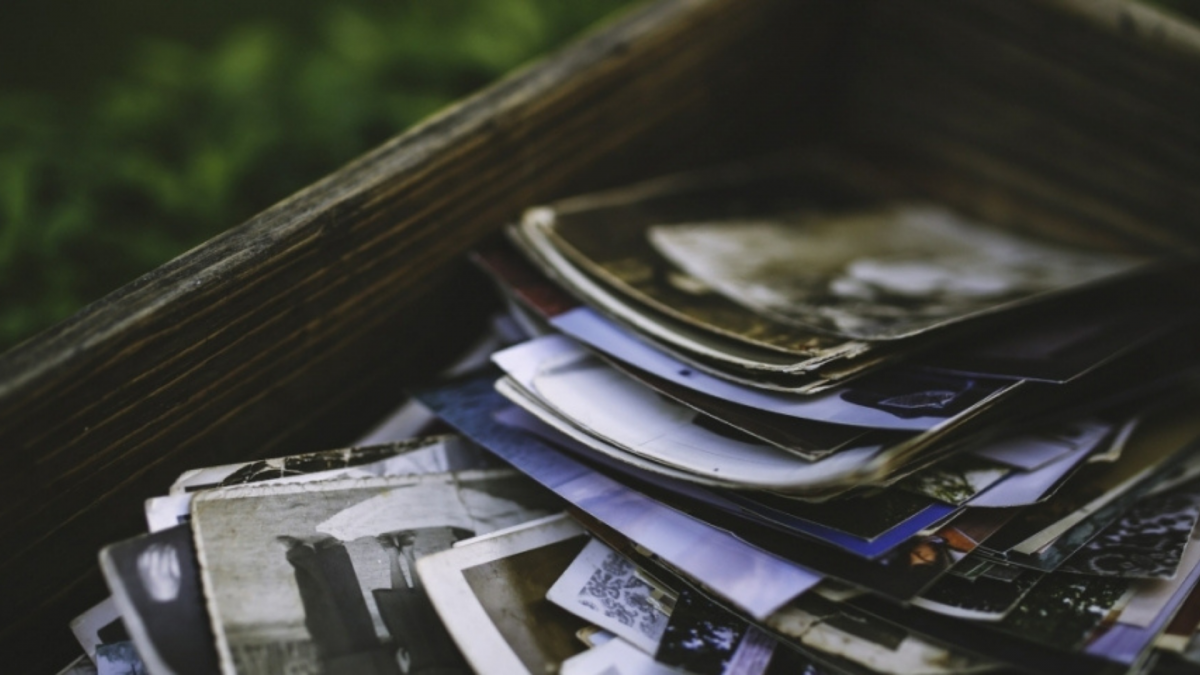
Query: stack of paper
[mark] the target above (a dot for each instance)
(985, 436)
(752, 426)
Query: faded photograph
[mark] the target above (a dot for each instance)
(491, 593)
(426, 454)
(874, 275)
(319, 577)
(156, 587)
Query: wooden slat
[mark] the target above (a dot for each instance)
(299, 328)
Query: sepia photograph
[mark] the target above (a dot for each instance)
(617, 269)
(878, 274)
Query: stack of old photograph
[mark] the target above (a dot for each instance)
(765, 418)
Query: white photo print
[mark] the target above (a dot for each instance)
(604, 588)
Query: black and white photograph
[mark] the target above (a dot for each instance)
(156, 586)
(980, 599)
(119, 658)
(1147, 542)
(1148, 599)
(425, 454)
(293, 573)
(1146, 461)
(701, 637)
(604, 588)
(491, 594)
(1063, 610)
(619, 261)
(956, 480)
(1157, 604)
(874, 274)
(785, 361)
(840, 631)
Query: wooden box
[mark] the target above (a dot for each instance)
(297, 330)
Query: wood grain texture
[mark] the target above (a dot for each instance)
(298, 329)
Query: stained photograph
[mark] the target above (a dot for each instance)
(874, 275)
(316, 577)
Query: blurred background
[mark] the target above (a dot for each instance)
(133, 130)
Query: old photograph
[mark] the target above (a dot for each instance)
(491, 595)
(978, 599)
(604, 588)
(156, 586)
(620, 261)
(291, 571)
(425, 454)
(874, 274)
(955, 480)
(840, 631)
(1147, 542)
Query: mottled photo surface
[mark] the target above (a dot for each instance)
(319, 577)
(875, 274)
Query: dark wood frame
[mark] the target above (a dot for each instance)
(299, 328)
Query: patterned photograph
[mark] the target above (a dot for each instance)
(603, 587)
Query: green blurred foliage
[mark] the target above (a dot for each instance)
(187, 141)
